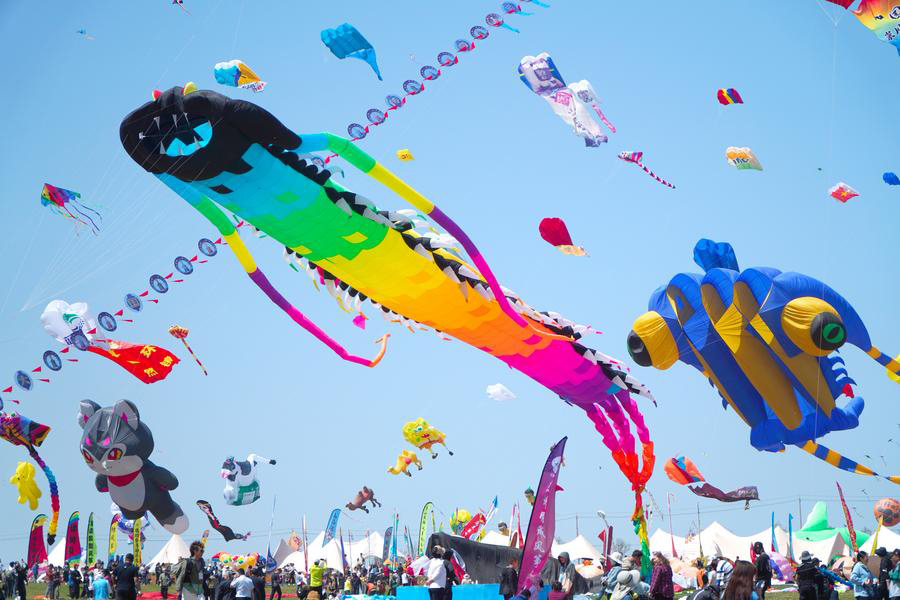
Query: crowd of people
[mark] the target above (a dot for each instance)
(194, 579)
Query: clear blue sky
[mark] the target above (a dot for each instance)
(818, 96)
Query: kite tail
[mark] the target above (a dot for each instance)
(54, 495)
(653, 175)
(513, 29)
(208, 209)
(536, 3)
(191, 351)
(94, 228)
(841, 462)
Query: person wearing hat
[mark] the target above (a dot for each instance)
(628, 581)
(808, 577)
(609, 580)
(894, 575)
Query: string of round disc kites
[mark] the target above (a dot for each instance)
(414, 87)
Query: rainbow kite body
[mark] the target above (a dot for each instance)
(728, 96)
(766, 341)
(249, 167)
(68, 204)
(882, 17)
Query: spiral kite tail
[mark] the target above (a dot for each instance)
(54, 495)
(654, 175)
(186, 345)
(842, 462)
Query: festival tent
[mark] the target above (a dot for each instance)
(371, 545)
(886, 539)
(174, 550)
(57, 556)
(577, 548)
(281, 552)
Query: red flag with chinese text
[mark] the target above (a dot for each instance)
(148, 363)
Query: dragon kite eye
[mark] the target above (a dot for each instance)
(114, 454)
(828, 332)
(813, 325)
(87, 456)
(650, 342)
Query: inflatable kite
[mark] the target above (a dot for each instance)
(73, 325)
(237, 561)
(572, 103)
(364, 253)
(67, 203)
(499, 392)
(816, 528)
(23, 479)
(842, 192)
(241, 484)
(404, 461)
(227, 532)
(423, 436)
(729, 96)
(682, 471)
(742, 158)
(181, 333)
(404, 154)
(554, 231)
(346, 41)
(766, 341)
(362, 497)
(22, 431)
(887, 512)
(636, 158)
(126, 526)
(236, 74)
(117, 445)
(458, 520)
(882, 17)
(891, 178)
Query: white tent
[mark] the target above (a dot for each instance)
(57, 556)
(886, 539)
(281, 552)
(577, 548)
(371, 545)
(174, 550)
(496, 538)
(717, 539)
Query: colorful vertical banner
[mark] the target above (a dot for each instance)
(113, 538)
(137, 542)
(37, 551)
(516, 540)
(343, 555)
(542, 523)
(331, 528)
(386, 551)
(791, 538)
(394, 540)
(90, 542)
(774, 541)
(73, 541)
(850, 531)
(423, 527)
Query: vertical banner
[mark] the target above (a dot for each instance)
(73, 541)
(423, 527)
(473, 526)
(90, 542)
(386, 551)
(609, 543)
(305, 547)
(671, 529)
(113, 538)
(270, 561)
(850, 531)
(774, 541)
(343, 556)
(137, 543)
(37, 551)
(394, 542)
(331, 528)
(542, 523)
(791, 538)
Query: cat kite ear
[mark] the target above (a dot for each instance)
(85, 410)
(128, 412)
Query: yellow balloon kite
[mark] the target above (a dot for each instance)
(404, 154)
(404, 461)
(23, 478)
(423, 436)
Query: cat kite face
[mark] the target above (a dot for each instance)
(115, 442)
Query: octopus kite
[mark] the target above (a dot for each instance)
(249, 166)
(767, 341)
